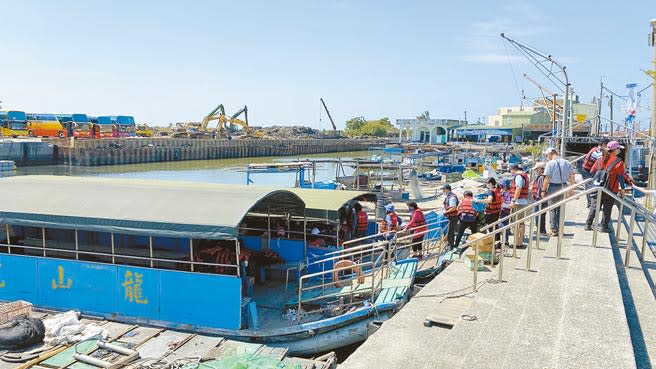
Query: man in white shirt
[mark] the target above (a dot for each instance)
(556, 175)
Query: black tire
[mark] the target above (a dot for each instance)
(30, 133)
(61, 134)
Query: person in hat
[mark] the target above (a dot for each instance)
(315, 238)
(556, 175)
(614, 170)
(519, 189)
(536, 191)
(589, 160)
(451, 202)
(390, 223)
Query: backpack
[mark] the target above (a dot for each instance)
(602, 176)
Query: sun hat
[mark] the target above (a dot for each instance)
(614, 145)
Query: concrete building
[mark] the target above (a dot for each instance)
(433, 131)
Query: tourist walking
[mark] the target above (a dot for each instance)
(519, 190)
(467, 216)
(536, 191)
(589, 160)
(608, 172)
(417, 225)
(451, 213)
(556, 174)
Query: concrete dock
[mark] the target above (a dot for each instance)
(584, 310)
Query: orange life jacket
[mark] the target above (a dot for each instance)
(494, 207)
(589, 161)
(466, 210)
(524, 191)
(363, 221)
(384, 228)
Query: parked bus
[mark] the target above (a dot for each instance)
(76, 125)
(107, 127)
(126, 126)
(13, 123)
(44, 125)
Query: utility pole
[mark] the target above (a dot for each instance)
(610, 103)
(554, 120)
(466, 117)
(652, 126)
(597, 130)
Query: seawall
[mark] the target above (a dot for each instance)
(149, 150)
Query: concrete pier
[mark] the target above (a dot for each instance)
(585, 310)
(149, 150)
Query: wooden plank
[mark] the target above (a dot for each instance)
(139, 335)
(277, 353)
(303, 363)
(116, 329)
(162, 343)
(197, 346)
(229, 348)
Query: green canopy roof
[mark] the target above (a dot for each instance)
(325, 204)
(158, 208)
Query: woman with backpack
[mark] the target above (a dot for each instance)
(608, 172)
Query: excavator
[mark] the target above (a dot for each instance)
(222, 128)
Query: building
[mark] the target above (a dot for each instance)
(536, 120)
(433, 131)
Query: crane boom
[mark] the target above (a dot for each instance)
(328, 112)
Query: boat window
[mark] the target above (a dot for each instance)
(221, 252)
(132, 245)
(27, 236)
(174, 249)
(95, 242)
(60, 239)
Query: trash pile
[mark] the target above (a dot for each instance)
(290, 132)
(67, 328)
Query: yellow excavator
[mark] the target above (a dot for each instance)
(223, 121)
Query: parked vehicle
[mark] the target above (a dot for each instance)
(44, 125)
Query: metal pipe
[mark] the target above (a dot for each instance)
(474, 287)
(561, 229)
(191, 252)
(537, 233)
(77, 248)
(112, 240)
(91, 360)
(620, 218)
(119, 349)
(596, 218)
(502, 254)
(43, 240)
(528, 246)
(8, 238)
(150, 252)
(644, 241)
(629, 241)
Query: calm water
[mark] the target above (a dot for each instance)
(229, 171)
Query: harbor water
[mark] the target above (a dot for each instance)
(226, 171)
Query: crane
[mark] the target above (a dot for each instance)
(335, 135)
(219, 115)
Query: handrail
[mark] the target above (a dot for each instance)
(539, 202)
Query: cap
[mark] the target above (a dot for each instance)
(505, 183)
(515, 167)
(539, 164)
(315, 231)
(446, 187)
(549, 151)
(389, 207)
(604, 141)
(614, 145)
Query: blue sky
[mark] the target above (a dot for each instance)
(169, 61)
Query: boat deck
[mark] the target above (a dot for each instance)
(158, 346)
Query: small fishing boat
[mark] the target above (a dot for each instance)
(227, 260)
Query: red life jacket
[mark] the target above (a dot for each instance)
(589, 161)
(524, 192)
(450, 211)
(392, 227)
(466, 209)
(494, 207)
(420, 224)
(363, 221)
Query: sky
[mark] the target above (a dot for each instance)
(174, 61)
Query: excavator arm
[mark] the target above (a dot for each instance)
(220, 110)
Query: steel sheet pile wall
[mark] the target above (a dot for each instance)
(148, 150)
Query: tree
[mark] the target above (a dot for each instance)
(358, 127)
(355, 124)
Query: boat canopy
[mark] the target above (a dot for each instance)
(152, 207)
(325, 204)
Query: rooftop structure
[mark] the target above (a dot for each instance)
(432, 131)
